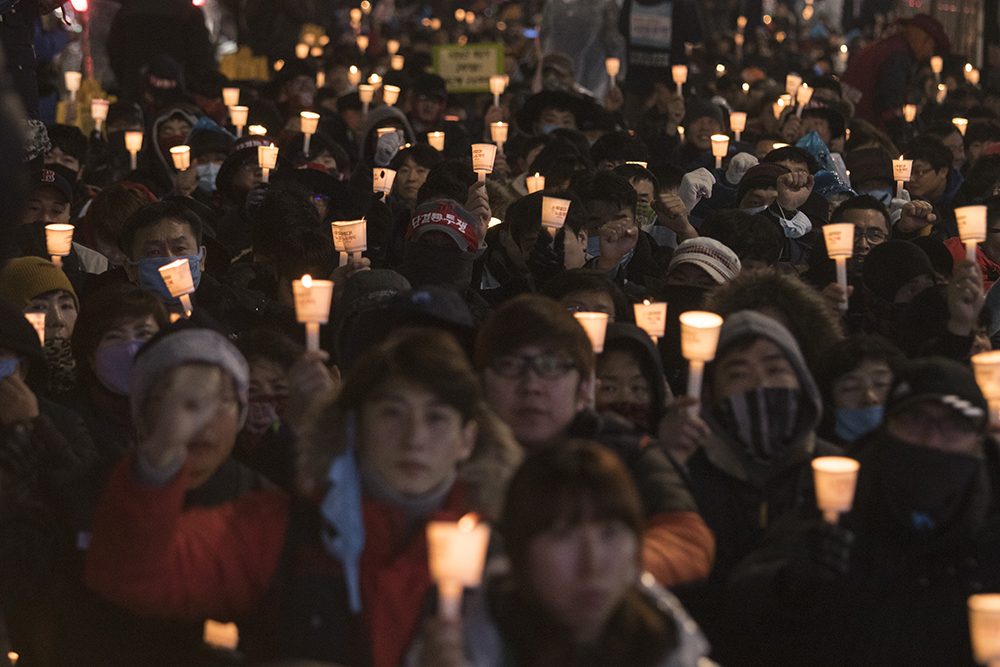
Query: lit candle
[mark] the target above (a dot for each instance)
(720, 148)
(177, 277)
(375, 80)
(535, 183)
(901, 173)
(221, 635)
(73, 81)
(775, 146)
(971, 227)
(99, 112)
(366, 92)
(986, 366)
(181, 155)
(680, 75)
(802, 97)
(942, 93)
(350, 236)
(258, 130)
(301, 50)
(776, 109)
(382, 180)
(699, 339)
(483, 156)
(390, 94)
(456, 553)
(554, 212)
(961, 124)
(354, 75)
(316, 51)
(392, 46)
(356, 14)
(840, 245)
(397, 62)
(984, 628)
(498, 131)
(651, 318)
(37, 321)
(320, 79)
(12, 657)
(238, 115)
(312, 306)
(910, 112)
(362, 41)
(786, 100)
(792, 83)
(613, 65)
(498, 83)
(231, 97)
(133, 144)
(308, 123)
(267, 158)
(738, 122)
(680, 133)
(436, 140)
(596, 326)
(835, 478)
(937, 64)
(973, 77)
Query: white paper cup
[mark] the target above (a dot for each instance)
(382, 179)
(679, 74)
(613, 65)
(392, 46)
(366, 92)
(792, 83)
(901, 169)
(354, 75)
(984, 627)
(231, 97)
(961, 124)
(596, 326)
(971, 223)
(181, 155)
(937, 64)
(720, 145)
(390, 94)
(308, 122)
(99, 109)
(554, 212)
(738, 121)
(498, 83)
(397, 62)
(133, 141)
(267, 156)
(699, 335)
(221, 635)
(651, 318)
(362, 42)
(483, 156)
(312, 300)
(436, 140)
(535, 183)
(350, 235)
(238, 115)
(177, 277)
(456, 553)
(498, 131)
(59, 239)
(73, 81)
(839, 239)
(910, 113)
(835, 478)
(803, 95)
(37, 321)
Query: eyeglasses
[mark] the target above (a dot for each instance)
(545, 366)
(873, 236)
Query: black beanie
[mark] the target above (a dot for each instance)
(891, 265)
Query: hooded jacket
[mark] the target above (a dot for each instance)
(635, 341)
(160, 166)
(379, 115)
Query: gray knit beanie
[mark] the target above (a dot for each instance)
(188, 346)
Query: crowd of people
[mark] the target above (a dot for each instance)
(166, 462)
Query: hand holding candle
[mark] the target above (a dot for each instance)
(971, 228)
(59, 241)
(651, 318)
(350, 236)
(177, 277)
(312, 306)
(839, 239)
(699, 339)
(835, 478)
(483, 156)
(456, 555)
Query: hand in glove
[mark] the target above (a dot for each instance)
(822, 555)
(739, 166)
(387, 147)
(695, 185)
(546, 259)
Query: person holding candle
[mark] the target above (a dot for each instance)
(574, 592)
(630, 378)
(932, 177)
(893, 274)
(535, 362)
(701, 120)
(889, 583)
(988, 251)
(412, 166)
(406, 440)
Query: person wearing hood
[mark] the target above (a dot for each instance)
(385, 116)
(888, 583)
(630, 381)
(170, 128)
(893, 274)
(747, 454)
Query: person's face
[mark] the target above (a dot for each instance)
(167, 238)
(537, 406)
(57, 156)
(644, 190)
(208, 449)
(575, 250)
(620, 379)
(912, 288)
(956, 144)
(409, 178)
(924, 181)
(795, 167)
(691, 274)
(173, 127)
(935, 426)
(759, 197)
(46, 205)
(700, 132)
(864, 387)
(581, 572)
(602, 212)
(556, 117)
(268, 379)
(596, 301)
(247, 177)
(136, 328)
(411, 438)
(428, 109)
(762, 364)
(869, 230)
(818, 125)
(328, 161)
(208, 158)
(60, 312)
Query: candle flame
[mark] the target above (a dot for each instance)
(353, 69)
(537, 174)
(307, 281)
(468, 522)
(645, 302)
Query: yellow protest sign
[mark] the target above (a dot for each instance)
(468, 68)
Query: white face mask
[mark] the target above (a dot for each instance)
(799, 225)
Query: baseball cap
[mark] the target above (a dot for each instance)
(938, 380)
(446, 216)
(49, 178)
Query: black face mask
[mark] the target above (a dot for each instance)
(764, 420)
(426, 264)
(925, 487)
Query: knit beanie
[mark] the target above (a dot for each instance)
(891, 265)
(762, 176)
(24, 278)
(716, 258)
(187, 346)
(696, 108)
(869, 164)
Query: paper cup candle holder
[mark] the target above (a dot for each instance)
(58, 241)
(308, 123)
(456, 554)
(535, 183)
(390, 94)
(177, 277)
(737, 123)
(238, 116)
(971, 227)
(498, 132)
(596, 326)
(720, 147)
(133, 144)
(73, 81)
(267, 158)
(37, 321)
(984, 628)
(382, 180)
(986, 366)
(350, 236)
(651, 318)
(680, 76)
(181, 155)
(312, 306)
(554, 212)
(901, 173)
(613, 65)
(483, 156)
(699, 340)
(366, 92)
(839, 239)
(498, 84)
(436, 140)
(99, 112)
(835, 478)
